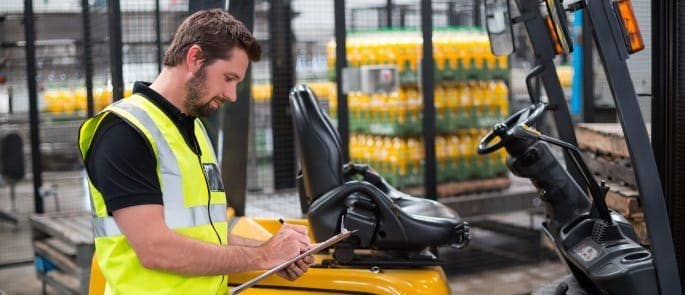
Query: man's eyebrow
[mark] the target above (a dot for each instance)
(231, 75)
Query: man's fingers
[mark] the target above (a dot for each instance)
(296, 270)
(284, 274)
(292, 273)
(309, 259)
(302, 265)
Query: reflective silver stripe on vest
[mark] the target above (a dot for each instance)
(175, 212)
(107, 227)
(207, 140)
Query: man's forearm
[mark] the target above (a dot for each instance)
(186, 256)
(240, 241)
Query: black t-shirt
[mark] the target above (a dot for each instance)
(120, 161)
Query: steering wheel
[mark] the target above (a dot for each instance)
(503, 130)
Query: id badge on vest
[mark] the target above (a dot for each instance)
(213, 177)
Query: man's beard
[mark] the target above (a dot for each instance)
(196, 90)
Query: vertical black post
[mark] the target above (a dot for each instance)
(588, 72)
(34, 120)
(236, 124)
(668, 115)
(660, 85)
(427, 89)
(476, 13)
(283, 76)
(10, 99)
(87, 57)
(379, 17)
(451, 19)
(158, 33)
(403, 16)
(116, 62)
(353, 19)
(340, 64)
(388, 13)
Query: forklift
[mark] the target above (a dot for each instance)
(395, 246)
(598, 245)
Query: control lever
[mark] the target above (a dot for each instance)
(599, 206)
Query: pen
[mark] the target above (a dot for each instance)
(281, 220)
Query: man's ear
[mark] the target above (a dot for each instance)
(194, 58)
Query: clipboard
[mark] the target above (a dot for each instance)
(325, 244)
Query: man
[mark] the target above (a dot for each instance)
(159, 205)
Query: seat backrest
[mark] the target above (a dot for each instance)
(12, 157)
(317, 142)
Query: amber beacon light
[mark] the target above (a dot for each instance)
(631, 31)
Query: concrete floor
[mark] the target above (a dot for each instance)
(21, 280)
(511, 280)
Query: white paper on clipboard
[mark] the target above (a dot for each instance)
(330, 242)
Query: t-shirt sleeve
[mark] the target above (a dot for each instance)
(122, 166)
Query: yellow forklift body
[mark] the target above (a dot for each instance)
(318, 280)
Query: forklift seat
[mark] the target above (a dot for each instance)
(386, 219)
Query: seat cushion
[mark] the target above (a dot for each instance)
(421, 207)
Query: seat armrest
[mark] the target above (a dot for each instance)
(327, 209)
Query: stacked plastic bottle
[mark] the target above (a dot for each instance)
(475, 104)
(70, 102)
(470, 96)
(461, 54)
(400, 160)
(261, 92)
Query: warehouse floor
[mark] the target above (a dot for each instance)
(505, 256)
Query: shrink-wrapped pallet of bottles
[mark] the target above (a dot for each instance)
(470, 96)
(461, 54)
(474, 104)
(400, 159)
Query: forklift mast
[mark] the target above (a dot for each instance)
(609, 33)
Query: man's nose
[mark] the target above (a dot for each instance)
(230, 94)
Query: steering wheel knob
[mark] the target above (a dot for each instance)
(500, 129)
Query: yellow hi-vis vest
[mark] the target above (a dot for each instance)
(193, 196)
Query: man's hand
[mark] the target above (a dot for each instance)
(288, 242)
(296, 269)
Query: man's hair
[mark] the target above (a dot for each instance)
(216, 32)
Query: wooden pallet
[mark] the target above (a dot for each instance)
(640, 228)
(624, 200)
(606, 138)
(64, 240)
(617, 170)
(465, 187)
